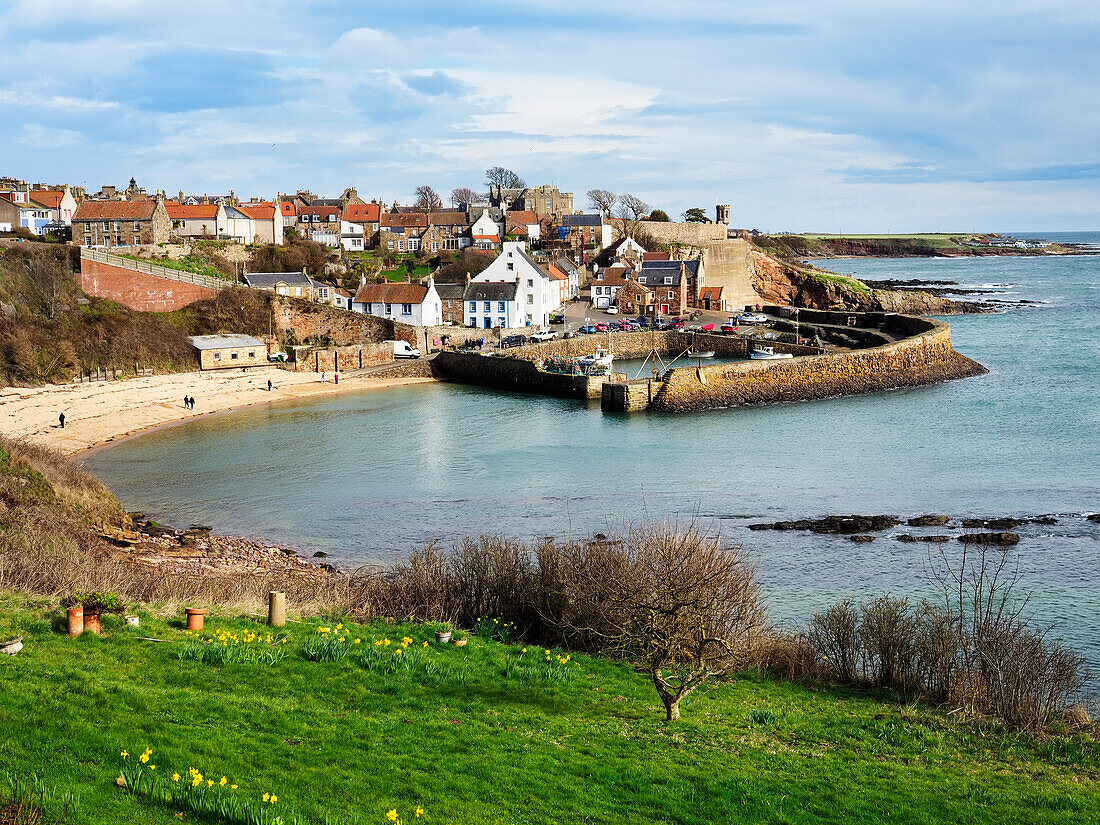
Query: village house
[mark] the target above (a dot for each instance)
(585, 233)
(487, 228)
(266, 222)
(537, 292)
(196, 221)
(574, 276)
(400, 232)
(674, 284)
(61, 201)
(710, 297)
(635, 299)
(229, 351)
(414, 304)
(318, 218)
(366, 215)
(288, 211)
(608, 280)
(35, 217)
(290, 284)
(451, 232)
(450, 294)
(624, 247)
(345, 234)
(489, 305)
(121, 223)
(542, 200)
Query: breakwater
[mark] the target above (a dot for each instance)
(898, 351)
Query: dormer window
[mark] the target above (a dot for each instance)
(668, 279)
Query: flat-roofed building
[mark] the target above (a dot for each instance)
(229, 351)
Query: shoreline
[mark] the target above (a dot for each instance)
(103, 414)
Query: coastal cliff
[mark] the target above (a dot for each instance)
(788, 284)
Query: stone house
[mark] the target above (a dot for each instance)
(451, 297)
(542, 200)
(314, 218)
(229, 351)
(366, 215)
(675, 284)
(635, 299)
(710, 297)
(121, 223)
(400, 232)
(290, 284)
(266, 221)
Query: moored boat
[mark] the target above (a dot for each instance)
(768, 354)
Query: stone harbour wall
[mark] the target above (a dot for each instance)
(925, 358)
(342, 359)
(516, 374)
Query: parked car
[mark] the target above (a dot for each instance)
(660, 323)
(612, 310)
(557, 317)
(513, 341)
(601, 327)
(676, 323)
(544, 335)
(729, 329)
(586, 329)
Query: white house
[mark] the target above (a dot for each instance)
(487, 231)
(418, 305)
(59, 200)
(239, 225)
(488, 305)
(352, 236)
(267, 223)
(202, 220)
(537, 291)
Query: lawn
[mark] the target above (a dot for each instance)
(488, 733)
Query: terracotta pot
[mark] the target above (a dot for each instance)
(195, 618)
(91, 621)
(460, 643)
(76, 621)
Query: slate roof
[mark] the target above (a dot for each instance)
(448, 218)
(269, 280)
(451, 292)
(224, 341)
(490, 291)
(391, 294)
(668, 267)
(582, 220)
(115, 211)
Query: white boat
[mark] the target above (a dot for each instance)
(750, 318)
(600, 358)
(708, 353)
(768, 354)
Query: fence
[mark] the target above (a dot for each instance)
(110, 374)
(153, 269)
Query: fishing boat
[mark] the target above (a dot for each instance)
(768, 354)
(600, 357)
(694, 353)
(752, 318)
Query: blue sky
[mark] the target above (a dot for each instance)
(842, 115)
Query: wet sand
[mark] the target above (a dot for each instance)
(104, 412)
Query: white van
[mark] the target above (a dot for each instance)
(402, 349)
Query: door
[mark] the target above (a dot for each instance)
(488, 323)
(664, 309)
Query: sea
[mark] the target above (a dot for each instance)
(367, 477)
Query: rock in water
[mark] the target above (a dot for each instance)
(1006, 523)
(928, 521)
(861, 539)
(1004, 539)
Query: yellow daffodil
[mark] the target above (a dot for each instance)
(196, 781)
(386, 642)
(232, 787)
(152, 767)
(175, 777)
(343, 638)
(210, 783)
(419, 812)
(378, 643)
(391, 815)
(274, 799)
(144, 758)
(398, 651)
(357, 641)
(340, 626)
(125, 754)
(223, 781)
(524, 650)
(425, 644)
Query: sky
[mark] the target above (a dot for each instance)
(833, 116)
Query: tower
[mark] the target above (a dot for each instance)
(722, 213)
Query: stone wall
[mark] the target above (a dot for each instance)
(516, 374)
(685, 234)
(926, 358)
(343, 328)
(341, 359)
(138, 290)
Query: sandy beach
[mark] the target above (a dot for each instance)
(103, 412)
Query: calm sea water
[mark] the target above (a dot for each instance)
(366, 477)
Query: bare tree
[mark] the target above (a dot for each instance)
(464, 195)
(629, 211)
(601, 200)
(427, 199)
(504, 178)
(45, 283)
(680, 604)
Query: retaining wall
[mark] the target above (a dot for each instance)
(140, 286)
(341, 359)
(925, 358)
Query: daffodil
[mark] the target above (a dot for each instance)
(125, 754)
(357, 641)
(196, 781)
(419, 812)
(152, 767)
(267, 796)
(144, 758)
(223, 781)
(391, 815)
(386, 642)
(425, 644)
(378, 643)
(232, 787)
(274, 799)
(175, 777)
(210, 783)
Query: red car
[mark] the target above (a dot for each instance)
(676, 323)
(601, 327)
(707, 328)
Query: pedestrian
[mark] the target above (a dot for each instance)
(269, 385)
(61, 420)
(323, 374)
(186, 403)
(192, 402)
(336, 377)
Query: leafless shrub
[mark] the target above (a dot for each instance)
(889, 632)
(834, 634)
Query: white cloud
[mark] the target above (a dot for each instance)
(45, 137)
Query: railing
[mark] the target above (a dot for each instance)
(152, 269)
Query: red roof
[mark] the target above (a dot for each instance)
(712, 292)
(448, 218)
(493, 238)
(362, 212)
(258, 211)
(391, 294)
(287, 208)
(527, 216)
(656, 256)
(322, 211)
(115, 211)
(48, 197)
(200, 211)
(557, 274)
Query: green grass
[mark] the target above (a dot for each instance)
(400, 274)
(188, 263)
(481, 734)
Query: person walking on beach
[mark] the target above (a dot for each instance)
(269, 385)
(186, 403)
(61, 420)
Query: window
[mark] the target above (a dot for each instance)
(252, 353)
(87, 240)
(406, 309)
(435, 246)
(389, 244)
(137, 239)
(137, 226)
(106, 226)
(530, 283)
(450, 243)
(233, 356)
(530, 299)
(599, 276)
(668, 279)
(389, 309)
(414, 243)
(217, 356)
(400, 246)
(118, 240)
(671, 294)
(448, 303)
(511, 266)
(500, 306)
(118, 225)
(488, 306)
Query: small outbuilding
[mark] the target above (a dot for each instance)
(229, 351)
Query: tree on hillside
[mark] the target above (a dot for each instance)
(679, 604)
(695, 215)
(628, 212)
(659, 215)
(602, 200)
(464, 195)
(504, 178)
(427, 199)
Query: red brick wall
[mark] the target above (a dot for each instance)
(137, 290)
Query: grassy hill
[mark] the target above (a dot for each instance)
(491, 733)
